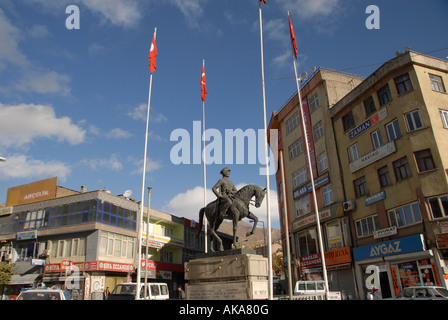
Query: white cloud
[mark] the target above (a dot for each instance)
(188, 204)
(112, 163)
(32, 78)
(123, 13)
(118, 133)
(39, 31)
(21, 166)
(21, 124)
(43, 81)
(192, 11)
(309, 9)
(140, 112)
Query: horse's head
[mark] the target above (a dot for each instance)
(259, 196)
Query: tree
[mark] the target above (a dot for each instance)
(5, 272)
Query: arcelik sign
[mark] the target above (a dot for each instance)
(90, 266)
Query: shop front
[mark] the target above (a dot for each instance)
(87, 280)
(339, 270)
(400, 263)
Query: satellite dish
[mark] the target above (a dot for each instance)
(127, 193)
(313, 69)
(303, 76)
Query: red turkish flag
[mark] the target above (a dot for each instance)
(293, 37)
(153, 55)
(264, 1)
(203, 88)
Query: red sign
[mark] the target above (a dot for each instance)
(90, 266)
(333, 257)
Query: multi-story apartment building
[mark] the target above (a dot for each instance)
(319, 93)
(88, 241)
(392, 139)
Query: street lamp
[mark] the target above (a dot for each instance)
(2, 159)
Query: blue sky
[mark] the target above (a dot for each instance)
(73, 102)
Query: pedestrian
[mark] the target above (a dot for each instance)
(106, 293)
(180, 292)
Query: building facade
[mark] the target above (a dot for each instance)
(319, 93)
(87, 242)
(392, 138)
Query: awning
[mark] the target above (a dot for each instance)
(23, 278)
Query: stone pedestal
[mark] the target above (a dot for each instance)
(228, 275)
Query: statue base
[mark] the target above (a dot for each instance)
(227, 275)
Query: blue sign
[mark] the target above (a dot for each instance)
(389, 248)
(375, 198)
(320, 181)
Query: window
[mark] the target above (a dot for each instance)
(353, 153)
(295, 149)
(327, 194)
(424, 160)
(369, 106)
(384, 95)
(393, 130)
(439, 207)
(377, 141)
(348, 121)
(437, 83)
(403, 83)
(413, 120)
(383, 175)
(292, 122)
(402, 169)
(68, 248)
(300, 177)
(444, 116)
(361, 187)
(365, 227)
(306, 243)
(116, 245)
(302, 206)
(322, 162)
(318, 130)
(404, 216)
(314, 103)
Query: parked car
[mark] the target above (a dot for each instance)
(128, 291)
(315, 288)
(422, 293)
(42, 294)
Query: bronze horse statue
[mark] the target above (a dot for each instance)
(237, 211)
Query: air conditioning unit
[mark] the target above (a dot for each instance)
(349, 206)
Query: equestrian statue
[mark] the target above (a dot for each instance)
(231, 204)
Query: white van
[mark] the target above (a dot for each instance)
(314, 289)
(128, 291)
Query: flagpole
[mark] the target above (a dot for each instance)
(310, 168)
(270, 278)
(143, 187)
(205, 174)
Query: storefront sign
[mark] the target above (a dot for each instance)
(333, 257)
(373, 156)
(320, 181)
(334, 211)
(368, 123)
(375, 198)
(5, 211)
(32, 192)
(387, 232)
(90, 266)
(388, 248)
(27, 235)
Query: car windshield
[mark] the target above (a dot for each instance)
(442, 292)
(124, 289)
(39, 296)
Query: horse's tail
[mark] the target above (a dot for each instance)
(201, 218)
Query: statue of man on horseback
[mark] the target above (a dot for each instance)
(231, 204)
(224, 190)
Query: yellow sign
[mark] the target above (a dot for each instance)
(32, 192)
